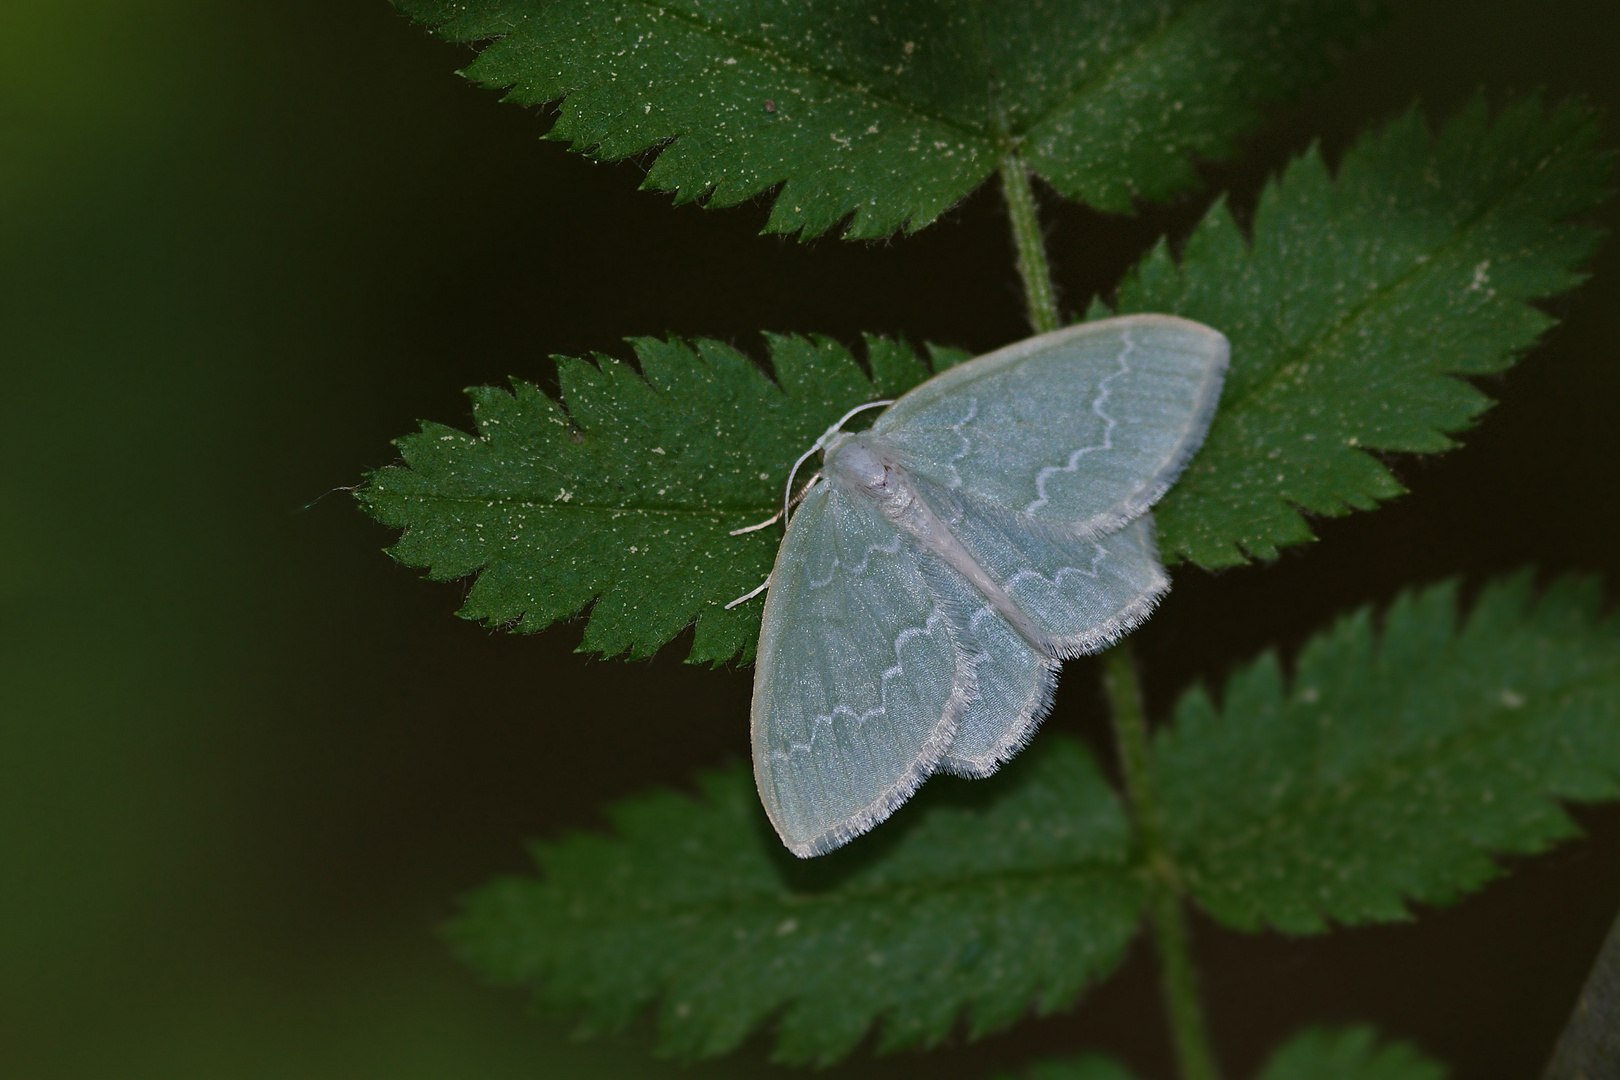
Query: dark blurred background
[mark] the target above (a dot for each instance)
(247, 763)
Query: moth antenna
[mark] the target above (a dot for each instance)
(767, 523)
(745, 597)
(774, 518)
(787, 489)
(808, 484)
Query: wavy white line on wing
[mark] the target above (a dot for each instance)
(1056, 581)
(824, 720)
(1109, 424)
(967, 444)
(857, 569)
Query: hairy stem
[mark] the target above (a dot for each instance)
(1040, 301)
(1169, 919)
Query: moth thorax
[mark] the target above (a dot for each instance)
(855, 460)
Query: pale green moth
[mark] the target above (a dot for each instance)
(991, 523)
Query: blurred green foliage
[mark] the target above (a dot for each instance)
(1315, 1054)
(180, 215)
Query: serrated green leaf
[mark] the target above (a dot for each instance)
(1348, 1054)
(1395, 763)
(1089, 1067)
(989, 898)
(942, 357)
(893, 110)
(622, 495)
(1359, 304)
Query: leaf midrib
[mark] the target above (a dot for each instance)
(1126, 870)
(571, 506)
(794, 63)
(999, 144)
